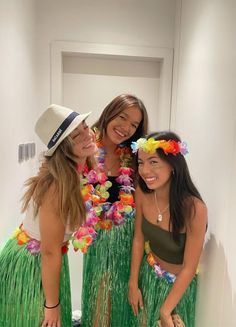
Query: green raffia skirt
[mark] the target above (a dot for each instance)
(155, 290)
(21, 292)
(105, 279)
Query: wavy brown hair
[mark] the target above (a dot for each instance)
(59, 171)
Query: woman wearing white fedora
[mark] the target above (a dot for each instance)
(34, 274)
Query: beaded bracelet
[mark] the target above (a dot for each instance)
(45, 306)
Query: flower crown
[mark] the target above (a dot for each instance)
(150, 145)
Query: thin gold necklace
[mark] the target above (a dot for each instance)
(109, 170)
(160, 213)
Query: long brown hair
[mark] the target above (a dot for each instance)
(115, 107)
(60, 171)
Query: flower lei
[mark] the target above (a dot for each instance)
(32, 245)
(161, 273)
(100, 213)
(95, 203)
(150, 145)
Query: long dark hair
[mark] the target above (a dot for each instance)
(115, 107)
(182, 188)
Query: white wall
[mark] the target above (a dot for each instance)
(126, 22)
(204, 100)
(18, 104)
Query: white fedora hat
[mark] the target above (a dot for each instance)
(55, 124)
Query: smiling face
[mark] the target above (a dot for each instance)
(154, 171)
(124, 125)
(83, 142)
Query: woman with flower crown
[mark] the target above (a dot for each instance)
(107, 261)
(34, 274)
(170, 226)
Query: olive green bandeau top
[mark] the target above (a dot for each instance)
(162, 243)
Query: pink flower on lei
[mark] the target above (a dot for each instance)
(124, 180)
(33, 246)
(83, 237)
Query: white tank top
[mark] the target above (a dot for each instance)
(31, 224)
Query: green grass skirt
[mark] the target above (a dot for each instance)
(155, 290)
(105, 279)
(21, 292)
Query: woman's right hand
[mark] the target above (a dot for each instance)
(167, 322)
(135, 299)
(166, 319)
(52, 317)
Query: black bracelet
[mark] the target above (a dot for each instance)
(45, 306)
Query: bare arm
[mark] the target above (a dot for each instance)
(135, 297)
(193, 248)
(52, 235)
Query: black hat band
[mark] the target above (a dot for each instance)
(61, 129)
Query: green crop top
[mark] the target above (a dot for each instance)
(162, 243)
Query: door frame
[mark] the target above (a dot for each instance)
(162, 55)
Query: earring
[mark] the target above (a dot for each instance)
(173, 172)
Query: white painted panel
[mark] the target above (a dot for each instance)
(19, 105)
(93, 92)
(204, 114)
(126, 58)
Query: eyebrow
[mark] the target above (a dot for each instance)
(153, 157)
(127, 115)
(150, 158)
(76, 134)
(77, 129)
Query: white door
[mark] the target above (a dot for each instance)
(89, 84)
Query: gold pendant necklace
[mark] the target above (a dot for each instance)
(160, 213)
(109, 170)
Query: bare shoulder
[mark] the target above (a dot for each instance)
(199, 214)
(138, 191)
(139, 195)
(50, 198)
(139, 198)
(52, 228)
(200, 206)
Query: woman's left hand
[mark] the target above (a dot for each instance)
(52, 317)
(135, 299)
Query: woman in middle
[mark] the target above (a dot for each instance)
(107, 261)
